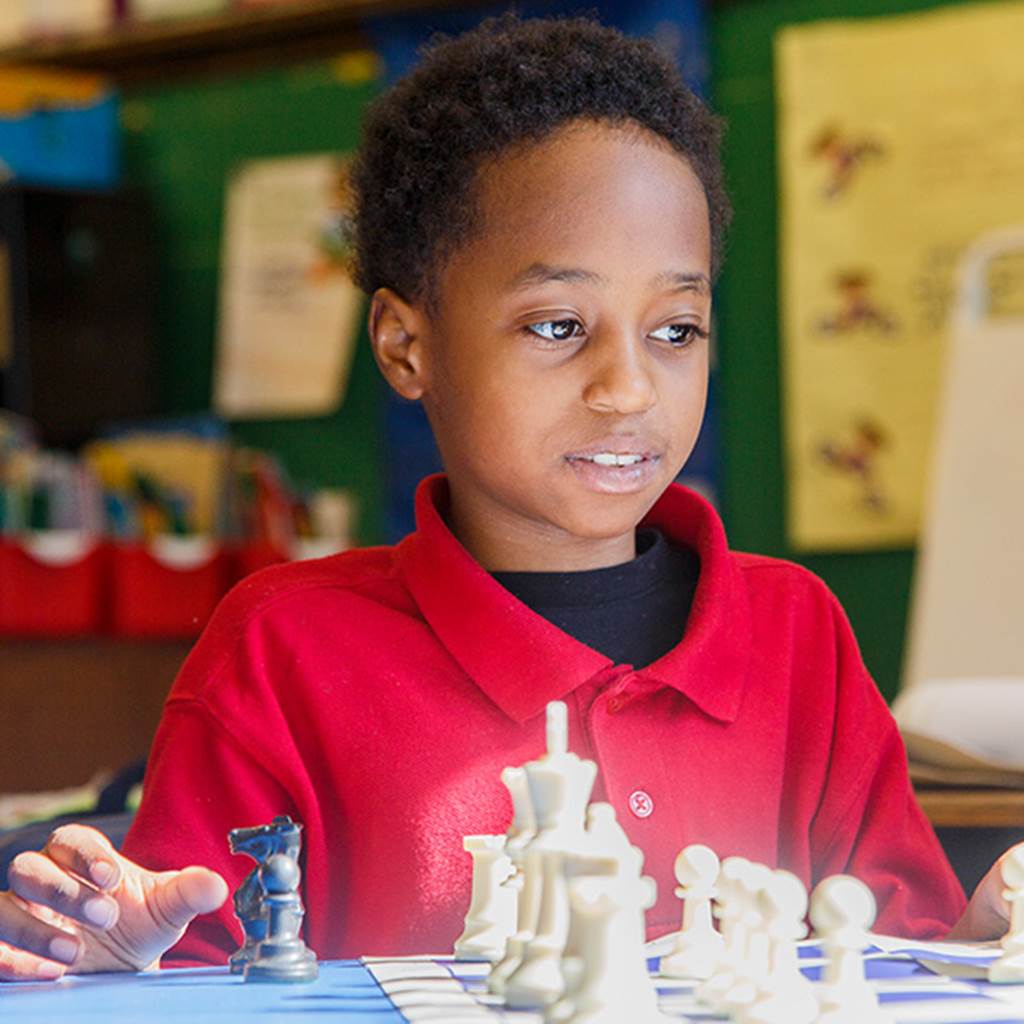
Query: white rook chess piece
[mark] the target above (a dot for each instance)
(614, 986)
(491, 917)
(787, 996)
(698, 947)
(842, 911)
(1010, 966)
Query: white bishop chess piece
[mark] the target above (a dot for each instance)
(1009, 968)
(842, 911)
(698, 947)
(787, 997)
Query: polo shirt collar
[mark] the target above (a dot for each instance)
(522, 661)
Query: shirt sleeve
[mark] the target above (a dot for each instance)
(200, 783)
(869, 823)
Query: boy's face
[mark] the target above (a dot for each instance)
(564, 369)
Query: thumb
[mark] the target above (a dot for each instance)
(182, 895)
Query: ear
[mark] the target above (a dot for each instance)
(397, 331)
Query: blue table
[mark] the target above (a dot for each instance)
(345, 988)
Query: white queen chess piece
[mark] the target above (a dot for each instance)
(842, 911)
(1009, 968)
(698, 947)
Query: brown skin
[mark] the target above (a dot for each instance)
(512, 411)
(624, 366)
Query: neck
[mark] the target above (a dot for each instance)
(501, 545)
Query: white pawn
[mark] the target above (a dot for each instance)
(787, 997)
(1009, 967)
(842, 911)
(614, 986)
(491, 917)
(698, 947)
(730, 910)
(751, 974)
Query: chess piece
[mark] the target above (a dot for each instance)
(491, 917)
(560, 786)
(1009, 968)
(730, 909)
(609, 853)
(842, 911)
(787, 996)
(282, 955)
(698, 946)
(261, 842)
(751, 972)
(615, 987)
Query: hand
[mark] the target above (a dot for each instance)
(987, 915)
(79, 906)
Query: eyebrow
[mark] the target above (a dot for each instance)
(546, 273)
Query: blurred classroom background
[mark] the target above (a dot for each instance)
(187, 394)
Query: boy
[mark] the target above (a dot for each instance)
(540, 213)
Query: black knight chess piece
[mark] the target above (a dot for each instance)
(269, 906)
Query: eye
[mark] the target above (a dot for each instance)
(556, 330)
(679, 335)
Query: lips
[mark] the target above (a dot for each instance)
(615, 465)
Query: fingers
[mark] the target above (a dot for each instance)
(21, 932)
(38, 879)
(87, 853)
(182, 895)
(17, 965)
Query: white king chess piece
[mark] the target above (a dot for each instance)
(560, 786)
(491, 918)
(842, 911)
(698, 947)
(1009, 967)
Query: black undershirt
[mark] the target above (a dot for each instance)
(632, 613)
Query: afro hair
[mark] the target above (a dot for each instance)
(506, 83)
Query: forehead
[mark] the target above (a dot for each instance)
(592, 190)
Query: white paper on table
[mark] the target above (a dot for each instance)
(288, 307)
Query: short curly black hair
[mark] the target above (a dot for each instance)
(507, 82)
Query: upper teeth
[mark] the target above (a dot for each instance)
(611, 459)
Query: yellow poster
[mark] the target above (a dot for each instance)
(901, 140)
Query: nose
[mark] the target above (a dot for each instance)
(619, 376)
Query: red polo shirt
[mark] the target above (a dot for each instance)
(376, 696)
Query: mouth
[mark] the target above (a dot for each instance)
(615, 469)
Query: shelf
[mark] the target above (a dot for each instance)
(76, 707)
(973, 808)
(234, 40)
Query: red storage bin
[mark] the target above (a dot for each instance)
(168, 586)
(254, 555)
(52, 583)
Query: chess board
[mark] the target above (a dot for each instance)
(438, 989)
(434, 988)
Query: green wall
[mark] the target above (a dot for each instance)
(181, 143)
(874, 587)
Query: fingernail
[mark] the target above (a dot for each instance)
(48, 971)
(102, 872)
(99, 912)
(63, 949)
